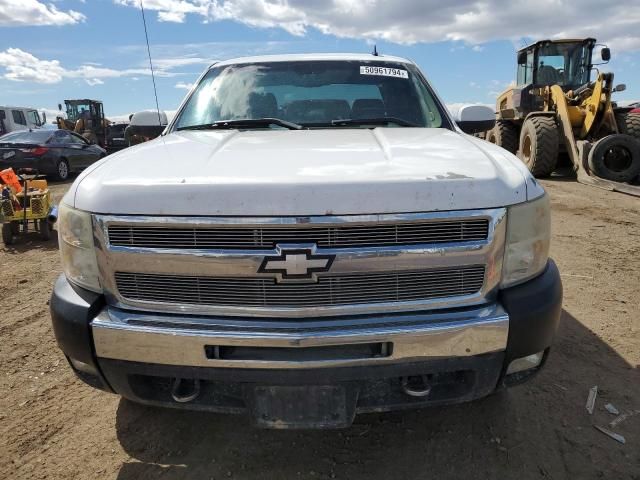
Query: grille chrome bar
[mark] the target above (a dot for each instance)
(262, 237)
(354, 257)
(328, 291)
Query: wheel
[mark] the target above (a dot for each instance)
(505, 135)
(629, 124)
(615, 157)
(62, 169)
(8, 234)
(45, 229)
(539, 145)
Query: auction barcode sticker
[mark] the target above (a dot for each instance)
(383, 71)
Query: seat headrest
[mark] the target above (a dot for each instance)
(262, 105)
(368, 108)
(317, 111)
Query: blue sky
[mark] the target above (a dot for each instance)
(50, 51)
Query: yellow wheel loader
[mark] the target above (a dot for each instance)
(556, 107)
(85, 117)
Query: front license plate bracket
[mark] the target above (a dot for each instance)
(308, 406)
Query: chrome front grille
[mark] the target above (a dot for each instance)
(333, 236)
(381, 264)
(330, 290)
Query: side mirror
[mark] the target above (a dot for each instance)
(475, 118)
(522, 58)
(605, 54)
(44, 118)
(60, 106)
(621, 87)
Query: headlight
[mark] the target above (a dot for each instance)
(75, 234)
(527, 244)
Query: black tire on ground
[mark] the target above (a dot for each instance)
(505, 135)
(45, 229)
(539, 145)
(615, 157)
(629, 123)
(62, 169)
(7, 234)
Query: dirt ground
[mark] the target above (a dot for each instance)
(53, 426)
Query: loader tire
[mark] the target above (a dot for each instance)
(539, 144)
(629, 124)
(616, 158)
(505, 135)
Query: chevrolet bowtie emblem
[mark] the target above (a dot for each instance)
(296, 264)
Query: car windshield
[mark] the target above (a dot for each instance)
(313, 94)
(26, 136)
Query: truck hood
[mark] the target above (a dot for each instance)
(303, 172)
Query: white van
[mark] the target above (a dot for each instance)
(20, 118)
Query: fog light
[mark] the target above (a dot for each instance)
(525, 363)
(83, 367)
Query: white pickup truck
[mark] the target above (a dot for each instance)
(313, 236)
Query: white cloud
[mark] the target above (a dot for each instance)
(412, 21)
(21, 66)
(19, 13)
(171, 63)
(176, 17)
(184, 85)
(52, 114)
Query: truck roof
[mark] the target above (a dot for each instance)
(301, 57)
(17, 108)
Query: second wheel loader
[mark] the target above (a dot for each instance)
(556, 107)
(85, 117)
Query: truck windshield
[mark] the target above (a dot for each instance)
(322, 94)
(564, 64)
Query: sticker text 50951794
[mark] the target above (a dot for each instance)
(383, 71)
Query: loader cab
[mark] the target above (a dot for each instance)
(566, 63)
(91, 109)
(93, 126)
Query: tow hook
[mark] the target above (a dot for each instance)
(185, 390)
(416, 385)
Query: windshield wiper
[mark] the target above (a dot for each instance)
(373, 121)
(243, 123)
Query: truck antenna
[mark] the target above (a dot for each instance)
(375, 51)
(153, 77)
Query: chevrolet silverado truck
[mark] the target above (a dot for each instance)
(312, 237)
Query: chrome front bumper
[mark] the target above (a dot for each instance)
(184, 340)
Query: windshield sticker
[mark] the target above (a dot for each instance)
(383, 71)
